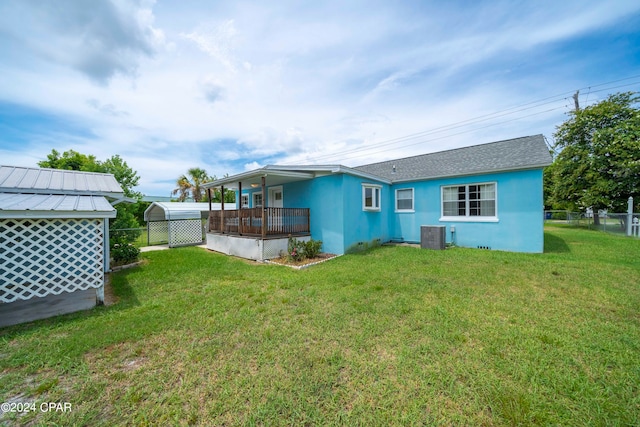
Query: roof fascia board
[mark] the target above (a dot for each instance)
(235, 178)
(115, 196)
(257, 174)
(39, 214)
(336, 169)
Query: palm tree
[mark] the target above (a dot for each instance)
(192, 184)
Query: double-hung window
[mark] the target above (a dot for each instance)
(404, 200)
(371, 197)
(471, 202)
(244, 201)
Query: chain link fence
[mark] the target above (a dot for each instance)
(180, 232)
(614, 223)
(136, 236)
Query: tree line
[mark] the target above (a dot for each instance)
(597, 157)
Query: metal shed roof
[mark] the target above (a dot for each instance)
(17, 179)
(160, 211)
(17, 205)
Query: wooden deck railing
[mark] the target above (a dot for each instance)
(278, 221)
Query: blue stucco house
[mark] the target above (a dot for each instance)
(488, 195)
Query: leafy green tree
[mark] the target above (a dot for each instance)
(229, 196)
(71, 160)
(548, 185)
(598, 164)
(126, 177)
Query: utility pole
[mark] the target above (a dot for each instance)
(575, 100)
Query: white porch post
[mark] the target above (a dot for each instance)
(106, 259)
(629, 215)
(107, 253)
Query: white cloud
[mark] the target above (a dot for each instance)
(235, 85)
(252, 166)
(216, 40)
(98, 39)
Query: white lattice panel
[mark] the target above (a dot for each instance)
(40, 257)
(158, 232)
(185, 232)
(273, 248)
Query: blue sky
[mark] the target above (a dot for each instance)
(230, 86)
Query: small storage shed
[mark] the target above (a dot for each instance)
(177, 223)
(54, 241)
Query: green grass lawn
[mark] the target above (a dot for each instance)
(393, 336)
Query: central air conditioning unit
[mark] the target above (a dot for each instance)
(432, 237)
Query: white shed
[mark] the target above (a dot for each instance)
(177, 223)
(54, 241)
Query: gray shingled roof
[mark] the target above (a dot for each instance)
(17, 179)
(512, 154)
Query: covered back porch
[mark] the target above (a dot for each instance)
(260, 231)
(260, 221)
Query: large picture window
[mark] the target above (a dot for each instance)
(371, 197)
(472, 201)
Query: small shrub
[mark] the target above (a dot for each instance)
(312, 248)
(295, 249)
(124, 253)
(298, 250)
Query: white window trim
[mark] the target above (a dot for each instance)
(242, 198)
(374, 208)
(413, 201)
(468, 218)
(253, 199)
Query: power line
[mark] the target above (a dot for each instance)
(445, 128)
(471, 122)
(458, 133)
